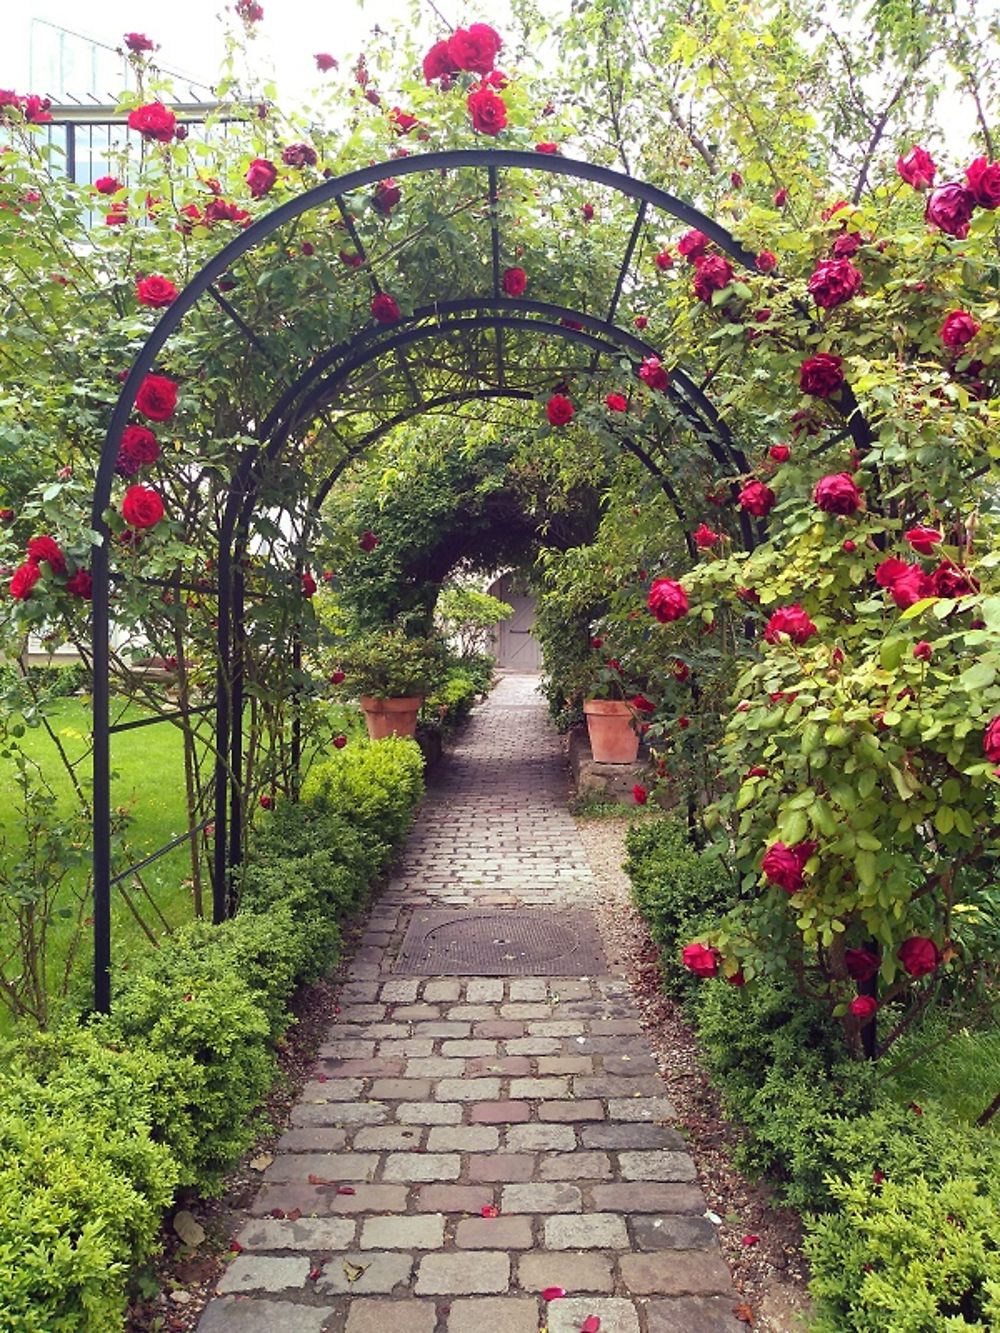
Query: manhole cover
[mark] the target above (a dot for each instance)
(471, 942)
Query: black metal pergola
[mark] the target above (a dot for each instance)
(315, 390)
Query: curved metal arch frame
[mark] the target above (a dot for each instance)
(229, 585)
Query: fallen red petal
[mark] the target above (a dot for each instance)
(750, 1240)
(553, 1293)
(490, 1210)
(315, 1273)
(235, 1247)
(277, 1212)
(346, 1189)
(591, 1324)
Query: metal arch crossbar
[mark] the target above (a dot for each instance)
(687, 397)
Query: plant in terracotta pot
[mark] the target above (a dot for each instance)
(613, 714)
(389, 672)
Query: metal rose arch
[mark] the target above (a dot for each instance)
(325, 377)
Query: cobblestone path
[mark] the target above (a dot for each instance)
(438, 1101)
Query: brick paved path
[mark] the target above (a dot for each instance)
(435, 1098)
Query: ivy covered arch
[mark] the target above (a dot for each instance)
(354, 380)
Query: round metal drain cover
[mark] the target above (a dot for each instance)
(511, 942)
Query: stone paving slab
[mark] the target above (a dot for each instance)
(534, 1100)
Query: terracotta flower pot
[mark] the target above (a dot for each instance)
(391, 717)
(613, 738)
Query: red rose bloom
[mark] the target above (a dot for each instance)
(401, 121)
(847, 246)
(713, 273)
(667, 600)
(155, 291)
(693, 244)
(80, 585)
(438, 63)
(991, 740)
(24, 580)
(910, 587)
(384, 309)
(790, 620)
(639, 794)
(616, 402)
(261, 175)
(337, 677)
(340, 741)
(651, 372)
(45, 548)
(299, 155)
(137, 42)
(756, 499)
(138, 447)
(641, 704)
(515, 281)
(767, 261)
(107, 185)
(837, 494)
(821, 375)
(220, 210)
(559, 410)
(153, 121)
(640, 321)
(324, 62)
(919, 956)
(783, 865)
(267, 802)
(949, 208)
(387, 195)
(588, 212)
(917, 168)
(664, 260)
(779, 452)
(863, 1007)
(953, 581)
(923, 651)
(889, 570)
(475, 48)
(546, 148)
(488, 112)
(680, 670)
(704, 537)
(958, 329)
(368, 541)
(142, 507)
(157, 398)
(701, 960)
(780, 197)
(833, 282)
(923, 540)
(861, 964)
(308, 584)
(983, 179)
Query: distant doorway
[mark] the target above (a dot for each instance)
(517, 649)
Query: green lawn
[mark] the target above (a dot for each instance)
(148, 782)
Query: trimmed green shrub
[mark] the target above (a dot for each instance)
(375, 784)
(100, 1124)
(912, 1241)
(674, 887)
(83, 1184)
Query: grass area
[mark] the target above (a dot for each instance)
(960, 1071)
(147, 783)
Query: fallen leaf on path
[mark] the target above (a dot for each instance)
(353, 1271)
(743, 1313)
(320, 1180)
(262, 1162)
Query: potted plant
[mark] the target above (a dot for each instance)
(391, 672)
(611, 718)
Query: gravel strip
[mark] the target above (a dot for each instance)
(771, 1272)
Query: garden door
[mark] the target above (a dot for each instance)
(518, 648)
